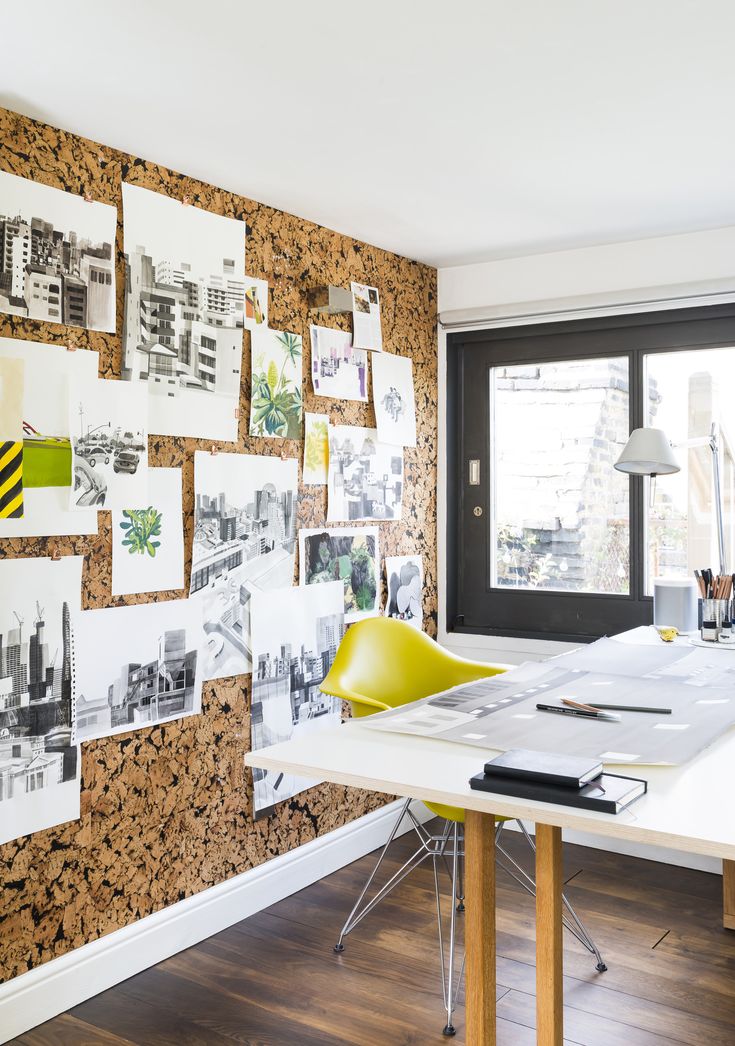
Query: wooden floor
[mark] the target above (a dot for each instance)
(274, 978)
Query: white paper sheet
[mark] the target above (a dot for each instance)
(137, 666)
(46, 510)
(393, 396)
(366, 329)
(500, 713)
(244, 541)
(40, 601)
(108, 421)
(187, 347)
(296, 633)
(350, 555)
(316, 449)
(256, 303)
(276, 404)
(405, 576)
(148, 541)
(64, 271)
(337, 368)
(365, 476)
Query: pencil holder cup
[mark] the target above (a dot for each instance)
(711, 614)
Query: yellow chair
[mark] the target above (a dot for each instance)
(382, 663)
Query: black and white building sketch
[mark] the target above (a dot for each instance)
(296, 633)
(365, 478)
(39, 765)
(244, 541)
(185, 305)
(137, 666)
(56, 255)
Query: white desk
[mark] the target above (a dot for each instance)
(686, 808)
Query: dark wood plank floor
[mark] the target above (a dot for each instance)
(274, 978)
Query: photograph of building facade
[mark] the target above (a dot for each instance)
(138, 666)
(56, 255)
(37, 756)
(184, 313)
(244, 541)
(296, 634)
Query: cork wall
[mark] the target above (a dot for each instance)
(167, 811)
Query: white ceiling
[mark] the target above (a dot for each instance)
(448, 132)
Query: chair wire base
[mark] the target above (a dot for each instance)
(447, 849)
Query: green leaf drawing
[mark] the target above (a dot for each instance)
(140, 526)
(276, 405)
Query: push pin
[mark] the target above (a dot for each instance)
(88, 198)
(237, 413)
(186, 200)
(213, 449)
(71, 347)
(56, 555)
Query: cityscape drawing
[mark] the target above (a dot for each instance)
(365, 476)
(244, 542)
(296, 634)
(56, 255)
(185, 305)
(136, 666)
(39, 769)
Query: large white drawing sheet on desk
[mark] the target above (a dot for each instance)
(500, 712)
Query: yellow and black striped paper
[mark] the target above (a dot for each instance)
(11, 480)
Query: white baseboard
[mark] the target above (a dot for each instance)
(34, 997)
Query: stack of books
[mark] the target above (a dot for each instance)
(551, 778)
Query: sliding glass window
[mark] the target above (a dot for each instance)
(545, 537)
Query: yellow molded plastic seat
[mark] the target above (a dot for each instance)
(383, 663)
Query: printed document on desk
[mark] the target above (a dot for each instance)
(500, 712)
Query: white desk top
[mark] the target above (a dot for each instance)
(687, 807)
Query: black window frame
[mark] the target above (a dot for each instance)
(472, 605)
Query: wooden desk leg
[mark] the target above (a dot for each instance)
(479, 833)
(549, 967)
(728, 895)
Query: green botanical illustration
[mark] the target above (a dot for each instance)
(276, 398)
(141, 526)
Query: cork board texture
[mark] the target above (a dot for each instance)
(167, 811)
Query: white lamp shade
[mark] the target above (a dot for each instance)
(648, 452)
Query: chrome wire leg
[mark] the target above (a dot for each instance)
(460, 874)
(449, 991)
(351, 921)
(571, 920)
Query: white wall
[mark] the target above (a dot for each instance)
(653, 273)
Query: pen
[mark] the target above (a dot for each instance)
(561, 710)
(632, 708)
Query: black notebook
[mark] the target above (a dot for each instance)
(609, 793)
(569, 771)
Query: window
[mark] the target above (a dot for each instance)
(545, 538)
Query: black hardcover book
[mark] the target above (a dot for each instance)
(609, 793)
(569, 771)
